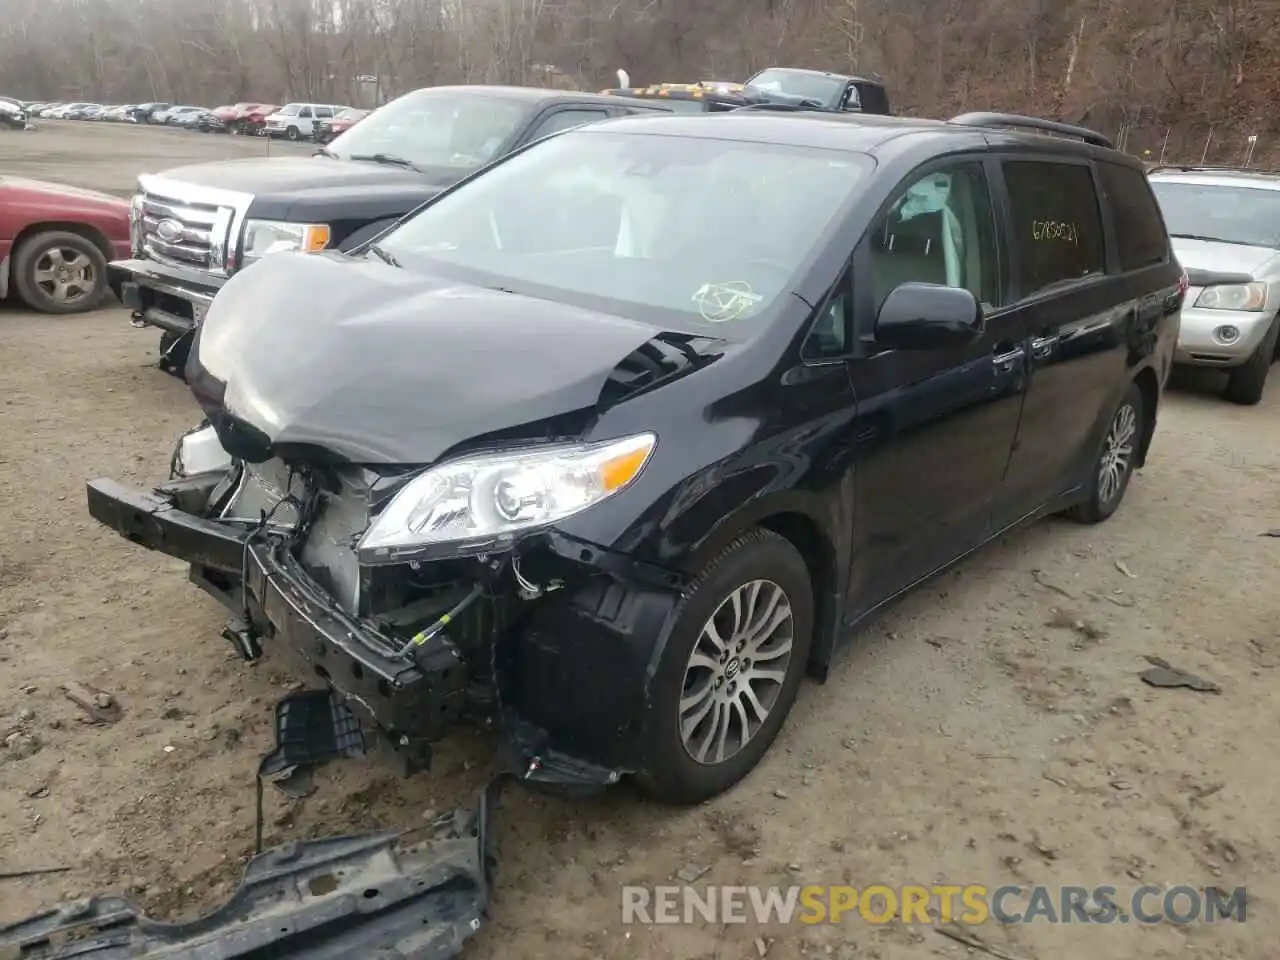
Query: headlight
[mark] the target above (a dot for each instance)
(480, 503)
(262, 237)
(1233, 296)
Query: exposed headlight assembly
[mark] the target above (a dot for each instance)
(481, 503)
(1234, 296)
(262, 237)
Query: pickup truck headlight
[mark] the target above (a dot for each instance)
(480, 503)
(262, 237)
(1234, 296)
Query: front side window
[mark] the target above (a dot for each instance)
(940, 230)
(305, 112)
(567, 120)
(703, 235)
(1056, 223)
(440, 128)
(1225, 213)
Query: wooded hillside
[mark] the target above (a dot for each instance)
(1140, 70)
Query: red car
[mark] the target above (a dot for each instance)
(55, 242)
(253, 118)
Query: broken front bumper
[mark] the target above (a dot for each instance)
(413, 699)
(369, 896)
(573, 674)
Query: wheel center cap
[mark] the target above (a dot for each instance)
(731, 668)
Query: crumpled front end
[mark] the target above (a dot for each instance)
(547, 637)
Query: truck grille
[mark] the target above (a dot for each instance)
(177, 226)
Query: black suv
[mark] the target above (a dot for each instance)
(195, 226)
(615, 441)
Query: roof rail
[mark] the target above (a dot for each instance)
(1212, 168)
(1033, 123)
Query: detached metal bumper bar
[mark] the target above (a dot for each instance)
(157, 524)
(363, 896)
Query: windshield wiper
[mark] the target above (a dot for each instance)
(382, 255)
(326, 152)
(390, 159)
(1195, 236)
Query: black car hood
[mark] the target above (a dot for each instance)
(281, 176)
(380, 365)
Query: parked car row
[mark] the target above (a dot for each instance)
(291, 121)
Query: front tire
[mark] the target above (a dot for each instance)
(730, 671)
(59, 272)
(1114, 465)
(1250, 379)
(293, 134)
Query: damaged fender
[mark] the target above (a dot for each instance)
(369, 897)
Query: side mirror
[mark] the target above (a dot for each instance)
(927, 316)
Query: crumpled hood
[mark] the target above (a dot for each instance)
(1214, 257)
(380, 365)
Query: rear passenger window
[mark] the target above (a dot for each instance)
(1056, 223)
(1140, 235)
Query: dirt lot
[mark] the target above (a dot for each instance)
(990, 729)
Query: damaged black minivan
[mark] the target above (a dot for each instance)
(610, 443)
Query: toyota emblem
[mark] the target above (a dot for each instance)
(170, 231)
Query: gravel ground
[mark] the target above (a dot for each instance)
(991, 728)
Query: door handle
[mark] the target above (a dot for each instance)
(1003, 362)
(1041, 347)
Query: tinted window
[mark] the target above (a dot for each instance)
(1140, 236)
(1056, 224)
(1223, 212)
(566, 120)
(325, 112)
(940, 230)
(304, 112)
(703, 235)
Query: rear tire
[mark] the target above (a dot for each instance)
(756, 599)
(1114, 464)
(1249, 380)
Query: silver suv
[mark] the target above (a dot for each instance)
(1225, 225)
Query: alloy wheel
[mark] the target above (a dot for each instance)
(736, 671)
(66, 275)
(1117, 452)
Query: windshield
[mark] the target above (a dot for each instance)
(697, 234)
(348, 114)
(804, 86)
(1231, 214)
(437, 128)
